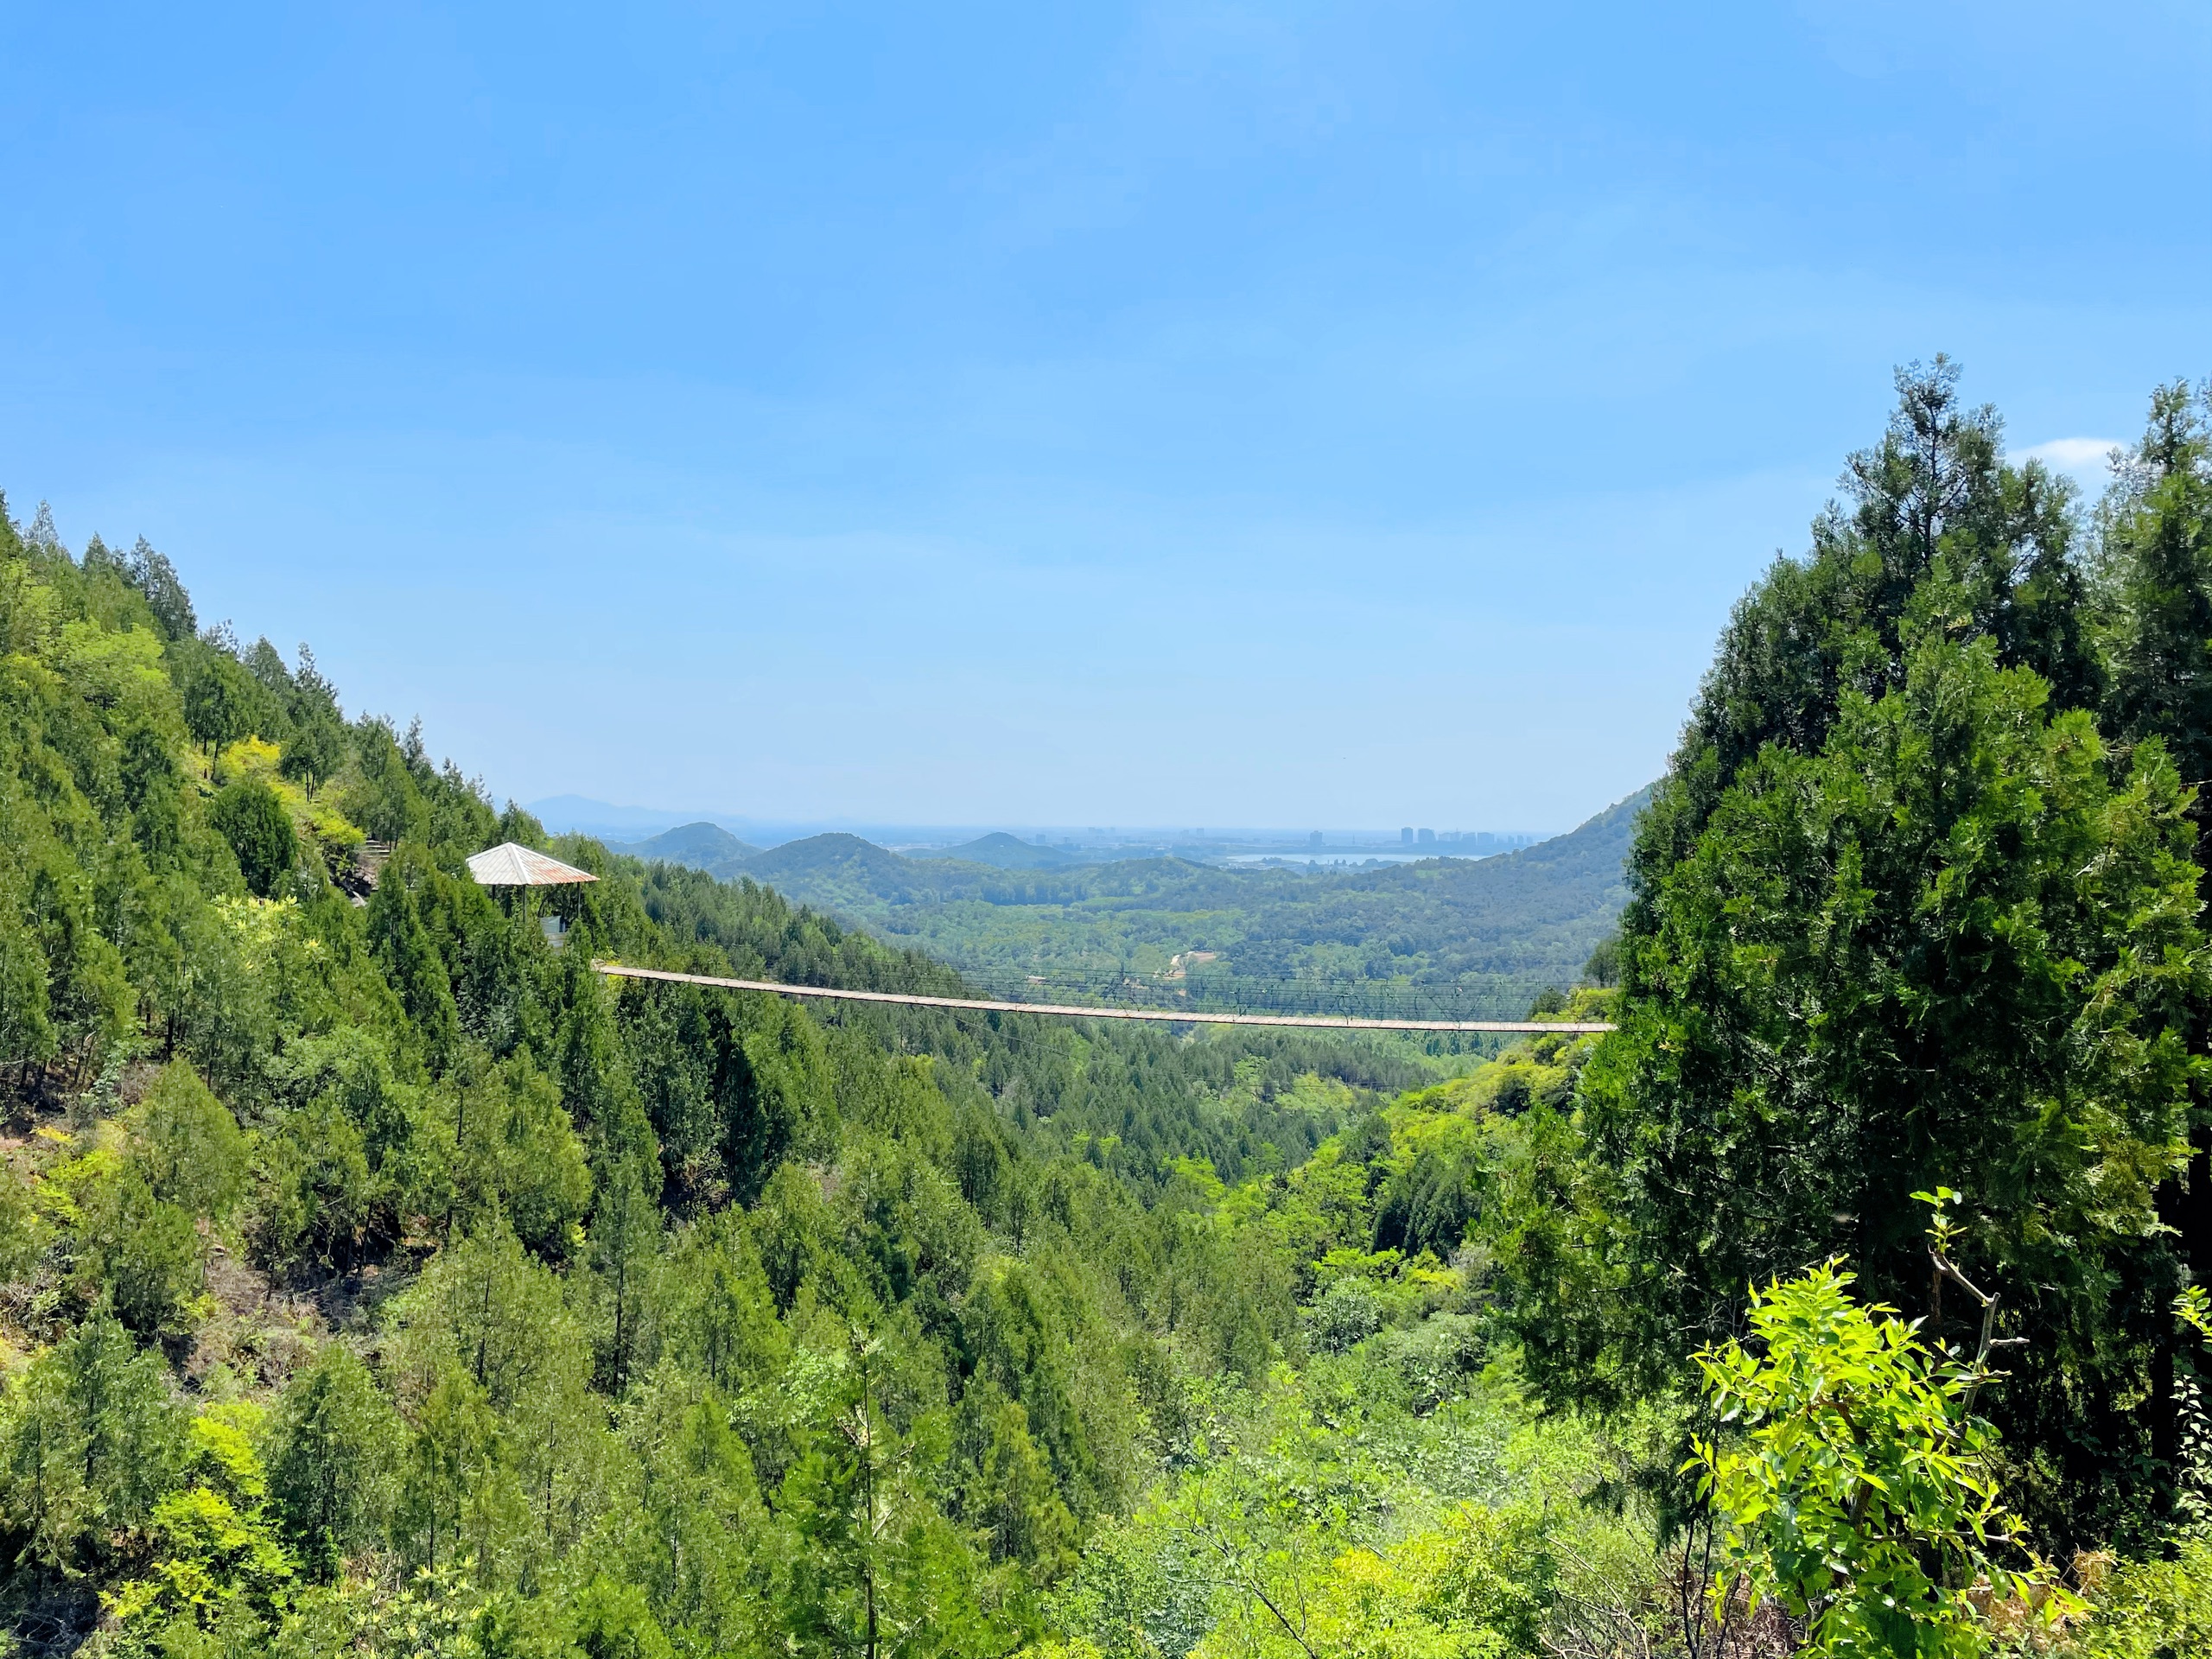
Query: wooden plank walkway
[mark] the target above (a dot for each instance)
(1163, 1016)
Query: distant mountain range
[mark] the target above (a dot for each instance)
(1032, 846)
(579, 815)
(709, 846)
(1480, 936)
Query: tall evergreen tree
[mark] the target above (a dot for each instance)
(1936, 488)
(153, 575)
(1899, 918)
(409, 958)
(625, 1242)
(331, 1464)
(2156, 563)
(1954, 947)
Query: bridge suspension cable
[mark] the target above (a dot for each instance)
(1068, 1010)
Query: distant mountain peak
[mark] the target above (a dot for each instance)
(700, 846)
(832, 847)
(1007, 852)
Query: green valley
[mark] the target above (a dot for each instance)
(379, 1279)
(1443, 938)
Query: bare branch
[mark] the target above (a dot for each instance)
(1946, 1269)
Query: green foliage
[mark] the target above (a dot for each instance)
(515, 1153)
(1861, 1493)
(484, 1306)
(188, 1145)
(220, 698)
(1321, 1516)
(26, 1032)
(2155, 561)
(141, 1256)
(457, 1495)
(317, 746)
(778, 1104)
(2154, 565)
(259, 831)
(690, 1544)
(1956, 942)
(1473, 1588)
(216, 1562)
(613, 1622)
(168, 604)
(332, 1440)
(626, 1239)
(1933, 498)
(1011, 1496)
(320, 1196)
(2148, 1609)
(879, 1568)
(21, 1235)
(93, 1443)
(717, 1315)
(315, 752)
(408, 953)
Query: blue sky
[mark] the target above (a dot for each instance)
(1355, 415)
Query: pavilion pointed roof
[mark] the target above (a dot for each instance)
(509, 864)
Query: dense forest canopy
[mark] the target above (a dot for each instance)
(376, 1278)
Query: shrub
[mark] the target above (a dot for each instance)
(1862, 1494)
(2149, 1609)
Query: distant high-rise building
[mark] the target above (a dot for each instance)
(1405, 836)
(1313, 840)
(1428, 837)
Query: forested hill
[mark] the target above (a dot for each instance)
(1480, 936)
(1007, 852)
(706, 847)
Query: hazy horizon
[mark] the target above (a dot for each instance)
(566, 813)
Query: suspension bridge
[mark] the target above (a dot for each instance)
(1080, 1011)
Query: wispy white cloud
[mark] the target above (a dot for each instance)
(2072, 455)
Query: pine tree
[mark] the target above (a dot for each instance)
(624, 1244)
(331, 1464)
